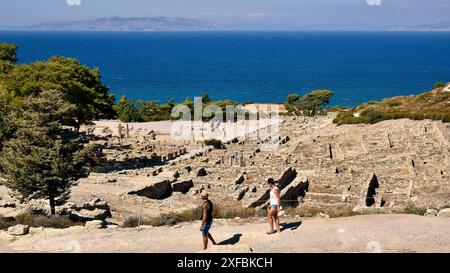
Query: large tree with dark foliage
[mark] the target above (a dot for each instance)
(42, 106)
(42, 159)
(6, 124)
(78, 85)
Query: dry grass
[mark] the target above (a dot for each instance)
(318, 188)
(170, 219)
(228, 213)
(412, 208)
(5, 222)
(332, 211)
(304, 210)
(35, 220)
(244, 213)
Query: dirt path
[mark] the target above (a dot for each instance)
(370, 233)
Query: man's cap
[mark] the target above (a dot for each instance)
(204, 194)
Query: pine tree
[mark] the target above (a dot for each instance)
(6, 126)
(43, 158)
(8, 52)
(313, 101)
(79, 85)
(127, 111)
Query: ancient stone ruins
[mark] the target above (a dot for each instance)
(141, 170)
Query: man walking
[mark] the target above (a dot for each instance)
(207, 220)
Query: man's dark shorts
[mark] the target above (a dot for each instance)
(206, 228)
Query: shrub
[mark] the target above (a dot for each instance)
(439, 85)
(411, 208)
(416, 116)
(217, 144)
(333, 211)
(290, 108)
(423, 97)
(373, 116)
(171, 219)
(131, 222)
(394, 103)
(441, 97)
(228, 213)
(165, 219)
(304, 211)
(445, 118)
(6, 222)
(36, 220)
(343, 117)
(394, 115)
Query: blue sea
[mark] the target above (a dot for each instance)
(251, 66)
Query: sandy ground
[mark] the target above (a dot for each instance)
(204, 130)
(163, 127)
(369, 233)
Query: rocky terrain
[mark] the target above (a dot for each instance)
(321, 168)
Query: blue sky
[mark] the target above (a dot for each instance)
(276, 14)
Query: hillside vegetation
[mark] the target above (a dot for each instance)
(433, 105)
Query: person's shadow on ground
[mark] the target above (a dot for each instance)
(237, 237)
(291, 226)
(232, 241)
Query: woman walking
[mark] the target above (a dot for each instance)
(274, 207)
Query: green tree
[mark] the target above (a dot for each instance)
(5, 67)
(439, 85)
(127, 111)
(312, 102)
(8, 52)
(189, 103)
(6, 125)
(149, 110)
(43, 158)
(165, 110)
(206, 98)
(293, 98)
(78, 85)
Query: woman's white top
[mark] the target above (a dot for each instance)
(273, 197)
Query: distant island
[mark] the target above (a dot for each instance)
(163, 23)
(442, 26)
(128, 24)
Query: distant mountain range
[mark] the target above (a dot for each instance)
(161, 23)
(443, 26)
(128, 24)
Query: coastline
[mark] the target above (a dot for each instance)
(128, 177)
(187, 68)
